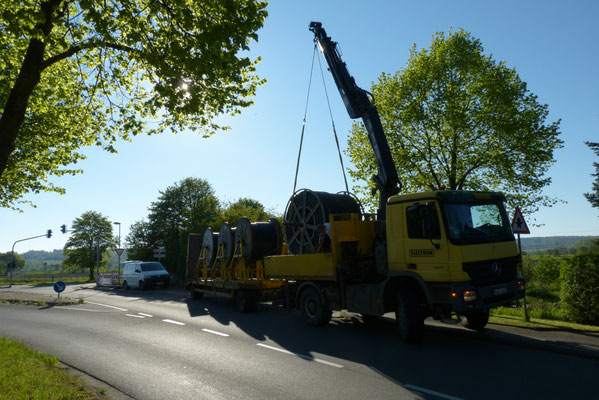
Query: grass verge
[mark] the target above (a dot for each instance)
(511, 316)
(24, 280)
(29, 374)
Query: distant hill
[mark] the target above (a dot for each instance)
(533, 244)
(40, 260)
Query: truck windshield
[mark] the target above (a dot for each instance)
(480, 222)
(152, 266)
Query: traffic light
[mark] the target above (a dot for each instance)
(63, 228)
(49, 233)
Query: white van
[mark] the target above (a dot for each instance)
(144, 275)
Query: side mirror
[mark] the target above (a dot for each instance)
(138, 270)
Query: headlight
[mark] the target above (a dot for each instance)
(469, 295)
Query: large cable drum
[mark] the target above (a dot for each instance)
(226, 238)
(307, 210)
(259, 239)
(210, 244)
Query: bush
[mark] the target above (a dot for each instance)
(580, 288)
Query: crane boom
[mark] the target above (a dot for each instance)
(360, 104)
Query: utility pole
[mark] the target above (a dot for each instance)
(119, 248)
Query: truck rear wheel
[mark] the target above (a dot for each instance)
(475, 320)
(312, 308)
(408, 316)
(245, 301)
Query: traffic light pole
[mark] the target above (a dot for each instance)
(12, 256)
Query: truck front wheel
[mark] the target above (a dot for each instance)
(475, 320)
(408, 316)
(313, 310)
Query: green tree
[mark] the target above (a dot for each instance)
(140, 242)
(189, 206)
(455, 117)
(593, 197)
(5, 262)
(80, 250)
(245, 207)
(79, 73)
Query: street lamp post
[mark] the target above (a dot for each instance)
(119, 252)
(12, 254)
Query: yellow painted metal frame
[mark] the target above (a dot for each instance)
(234, 274)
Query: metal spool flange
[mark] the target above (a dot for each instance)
(307, 210)
(226, 238)
(210, 243)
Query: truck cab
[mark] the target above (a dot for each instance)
(458, 245)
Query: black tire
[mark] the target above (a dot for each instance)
(475, 320)
(245, 301)
(195, 294)
(125, 285)
(141, 285)
(408, 316)
(313, 310)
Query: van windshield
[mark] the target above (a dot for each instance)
(479, 222)
(152, 266)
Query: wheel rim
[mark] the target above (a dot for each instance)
(311, 307)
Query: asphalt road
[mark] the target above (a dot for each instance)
(163, 345)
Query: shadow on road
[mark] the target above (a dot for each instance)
(446, 353)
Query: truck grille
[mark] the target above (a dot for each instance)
(491, 271)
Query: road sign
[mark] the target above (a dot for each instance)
(119, 252)
(59, 286)
(160, 252)
(518, 224)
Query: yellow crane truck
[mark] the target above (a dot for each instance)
(441, 253)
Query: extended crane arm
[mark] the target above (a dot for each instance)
(360, 104)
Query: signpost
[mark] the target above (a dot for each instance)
(59, 287)
(519, 227)
(160, 253)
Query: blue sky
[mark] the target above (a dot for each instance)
(552, 44)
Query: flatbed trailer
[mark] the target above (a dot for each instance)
(235, 277)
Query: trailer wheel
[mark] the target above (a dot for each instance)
(475, 320)
(313, 310)
(408, 316)
(246, 301)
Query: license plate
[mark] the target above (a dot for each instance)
(499, 291)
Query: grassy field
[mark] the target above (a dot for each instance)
(28, 374)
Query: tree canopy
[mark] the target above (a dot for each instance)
(89, 231)
(455, 117)
(87, 72)
(593, 197)
(188, 206)
(245, 207)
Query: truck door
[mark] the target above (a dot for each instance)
(426, 246)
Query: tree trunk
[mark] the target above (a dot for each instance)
(15, 108)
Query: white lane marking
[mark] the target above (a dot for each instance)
(106, 305)
(214, 332)
(145, 315)
(80, 309)
(305, 357)
(423, 390)
(170, 321)
(135, 316)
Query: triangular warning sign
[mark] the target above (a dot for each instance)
(518, 223)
